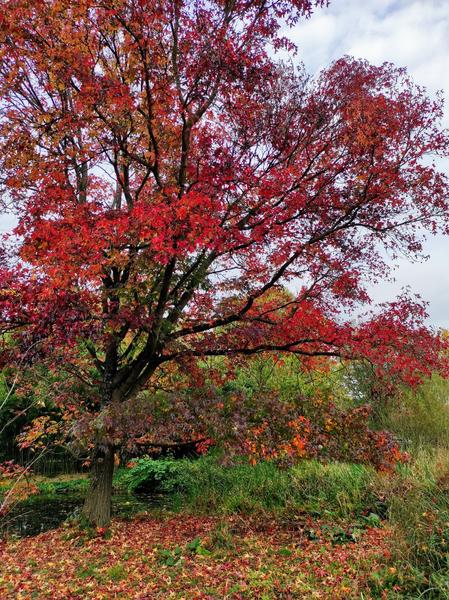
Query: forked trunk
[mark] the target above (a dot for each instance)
(97, 506)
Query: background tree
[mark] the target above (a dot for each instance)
(169, 176)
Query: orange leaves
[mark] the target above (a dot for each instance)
(328, 433)
(299, 446)
(41, 430)
(15, 484)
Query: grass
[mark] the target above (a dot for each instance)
(77, 482)
(205, 486)
(62, 485)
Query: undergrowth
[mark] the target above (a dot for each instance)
(207, 486)
(413, 501)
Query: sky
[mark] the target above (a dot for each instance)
(412, 34)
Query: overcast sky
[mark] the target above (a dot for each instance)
(412, 34)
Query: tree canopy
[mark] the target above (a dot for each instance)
(171, 178)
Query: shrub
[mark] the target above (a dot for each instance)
(149, 475)
(326, 432)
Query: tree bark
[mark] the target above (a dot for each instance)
(97, 506)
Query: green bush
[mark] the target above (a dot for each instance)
(151, 475)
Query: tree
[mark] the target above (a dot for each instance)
(169, 176)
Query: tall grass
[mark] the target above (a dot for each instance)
(207, 486)
(419, 417)
(416, 501)
(339, 488)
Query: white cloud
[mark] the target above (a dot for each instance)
(412, 34)
(409, 33)
(7, 222)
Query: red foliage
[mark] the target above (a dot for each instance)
(170, 177)
(286, 435)
(10, 469)
(15, 484)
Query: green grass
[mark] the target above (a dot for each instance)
(64, 486)
(416, 500)
(339, 488)
(206, 486)
(420, 417)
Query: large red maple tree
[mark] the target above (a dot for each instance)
(170, 176)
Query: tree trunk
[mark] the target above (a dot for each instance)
(97, 506)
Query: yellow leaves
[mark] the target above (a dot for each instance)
(329, 424)
(392, 570)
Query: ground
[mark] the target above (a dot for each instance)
(193, 558)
